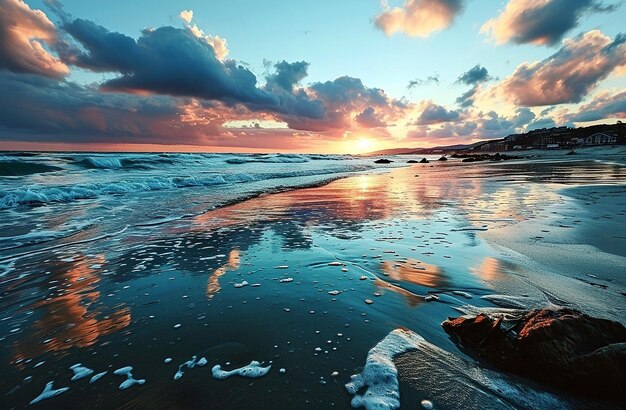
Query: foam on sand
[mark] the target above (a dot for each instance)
(130, 381)
(253, 370)
(96, 377)
(440, 376)
(190, 364)
(507, 301)
(80, 372)
(48, 392)
(380, 375)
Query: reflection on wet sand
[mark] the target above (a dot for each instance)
(346, 204)
(489, 270)
(213, 283)
(415, 272)
(65, 318)
(411, 298)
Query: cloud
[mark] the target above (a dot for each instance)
(216, 42)
(287, 75)
(347, 102)
(523, 117)
(605, 105)
(431, 79)
(173, 61)
(23, 34)
(544, 122)
(186, 16)
(370, 119)
(45, 109)
(467, 98)
(432, 113)
(568, 75)
(540, 22)
(474, 75)
(475, 125)
(194, 87)
(49, 110)
(419, 18)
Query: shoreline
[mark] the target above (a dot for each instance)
(310, 279)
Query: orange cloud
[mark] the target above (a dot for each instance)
(568, 75)
(419, 18)
(23, 32)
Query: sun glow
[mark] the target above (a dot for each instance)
(364, 145)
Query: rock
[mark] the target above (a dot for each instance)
(383, 161)
(424, 161)
(443, 158)
(412, 161)
(563, 347)
(472, 159)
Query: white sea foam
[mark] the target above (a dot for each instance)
(269, 158)
(96, 377)
(466, 295)
(130, 380)
(253, 370)
(49, 392)
(190, 364)
(80, 372)
(380, 375)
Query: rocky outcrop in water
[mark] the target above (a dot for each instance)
(485, 157)
(564, 348)
(383, 161)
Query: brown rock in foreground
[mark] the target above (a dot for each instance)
(564, 348)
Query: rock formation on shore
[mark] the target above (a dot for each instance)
(562, 347)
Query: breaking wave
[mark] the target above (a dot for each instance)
(17, 168)
(281, 158)
(34, 195)
(111, 162)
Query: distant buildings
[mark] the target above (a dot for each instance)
(557, 138)
(600, 138)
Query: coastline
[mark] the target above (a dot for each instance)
(309, 279)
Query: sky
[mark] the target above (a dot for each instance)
(346, 76)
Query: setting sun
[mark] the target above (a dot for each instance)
(364, 145)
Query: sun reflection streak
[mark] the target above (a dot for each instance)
(66, 318)
(213, 283)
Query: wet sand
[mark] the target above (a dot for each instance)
(284, 278)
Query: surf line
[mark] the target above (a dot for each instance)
(63, 245)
